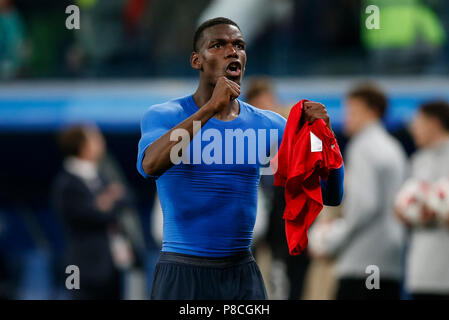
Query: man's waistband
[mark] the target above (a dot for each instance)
(213, 262)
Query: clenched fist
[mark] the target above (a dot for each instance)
(225, 91)
(313, 111)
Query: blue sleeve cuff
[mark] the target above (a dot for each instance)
(140, 167)
(332, 188)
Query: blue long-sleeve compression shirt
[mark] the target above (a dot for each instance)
(209, 198)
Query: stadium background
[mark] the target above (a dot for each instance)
(131, 54)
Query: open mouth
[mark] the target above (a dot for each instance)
(234, 69)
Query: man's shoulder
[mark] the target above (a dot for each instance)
(168, 107)
(380, 147)
(269, 116)
(171, 110)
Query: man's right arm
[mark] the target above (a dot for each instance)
(157, 159)
(157, 156)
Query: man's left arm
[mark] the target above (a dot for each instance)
(332, 188)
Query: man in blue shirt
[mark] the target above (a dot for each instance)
(206, 152)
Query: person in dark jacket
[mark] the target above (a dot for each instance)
(89, 207)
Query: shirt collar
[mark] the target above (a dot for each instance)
(443, 145)
(84, 169)
(366, 130)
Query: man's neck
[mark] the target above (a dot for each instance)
(367, 124)
(439, 140)
(203, 94)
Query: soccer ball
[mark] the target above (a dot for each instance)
(411, 198)
(438, 199)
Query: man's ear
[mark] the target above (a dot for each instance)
(195, 61)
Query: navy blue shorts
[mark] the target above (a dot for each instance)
(185, 277)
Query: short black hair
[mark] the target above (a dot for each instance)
(207, 24)
(373, 97)
(439, 110)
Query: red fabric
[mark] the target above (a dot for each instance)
(299, 171)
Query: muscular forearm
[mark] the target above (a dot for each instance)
(157, 156)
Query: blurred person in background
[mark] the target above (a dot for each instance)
(368, 233)
(287, 272)
(131, 236)
(427, 263)
(261, 92)
(11, 40)
(89, 207)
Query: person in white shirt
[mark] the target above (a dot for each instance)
(368, 236)
(427, 262)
